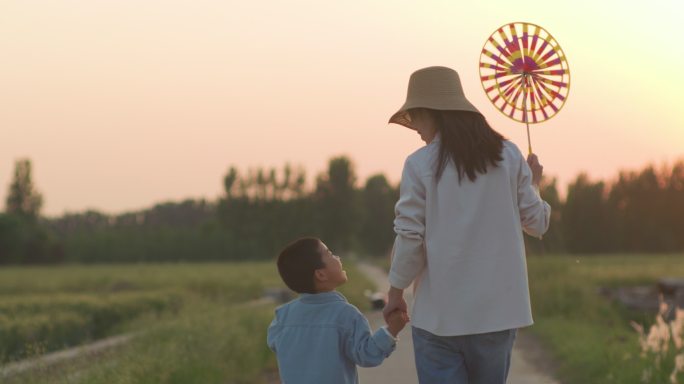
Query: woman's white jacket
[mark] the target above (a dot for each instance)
(462, 243)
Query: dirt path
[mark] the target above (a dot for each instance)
(400, 367)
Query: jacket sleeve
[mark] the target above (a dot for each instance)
(534, 212)
(408, 258)
(368, 349)
(272, 333)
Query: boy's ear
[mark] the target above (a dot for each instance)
(320, 275)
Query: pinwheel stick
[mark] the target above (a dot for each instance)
(524, 111)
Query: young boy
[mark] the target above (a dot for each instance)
(319, 337)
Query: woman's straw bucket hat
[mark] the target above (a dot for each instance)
(433, 88)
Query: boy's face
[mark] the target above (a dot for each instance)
(332, 275)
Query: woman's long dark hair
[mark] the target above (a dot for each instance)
(468, 141)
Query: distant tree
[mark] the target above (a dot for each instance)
(285, 184)
(264, 209)
(12, 238)
(648, 207)
(229, 182)
(24, 237)
(674, 200)
(586, 225)
(378, 200)
(552, 241)
(298, 183)
(23, 198)
(337, 202)
(24, 240)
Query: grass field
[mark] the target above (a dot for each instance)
(199, 329)
(589, 336)
(196, 321)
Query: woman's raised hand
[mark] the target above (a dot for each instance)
(537, 169)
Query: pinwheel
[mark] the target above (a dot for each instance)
(525, 73)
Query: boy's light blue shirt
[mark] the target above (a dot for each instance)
(321, 338)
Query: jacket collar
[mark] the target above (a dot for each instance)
(320, 298)
(437, 138)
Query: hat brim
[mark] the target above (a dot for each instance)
(401, 117)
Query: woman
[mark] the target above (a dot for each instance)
(465, 199)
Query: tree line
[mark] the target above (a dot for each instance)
(261, 210)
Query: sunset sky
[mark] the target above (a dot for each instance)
(121, 104)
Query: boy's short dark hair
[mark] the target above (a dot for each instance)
(297, 263)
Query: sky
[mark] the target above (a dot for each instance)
(123, 104)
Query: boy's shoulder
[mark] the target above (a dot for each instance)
(337, 306)
(284, 308)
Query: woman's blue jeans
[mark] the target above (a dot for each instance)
(470, 359)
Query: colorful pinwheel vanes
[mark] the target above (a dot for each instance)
(524, 72)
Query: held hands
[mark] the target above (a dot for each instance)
(395, 311)
(536, 168)
(396, 321)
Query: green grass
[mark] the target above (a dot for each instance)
(198, 329)
(226, 281)
(590, 336)
(210, 334)
(49, 322)
(49, 308)
(202, 344)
